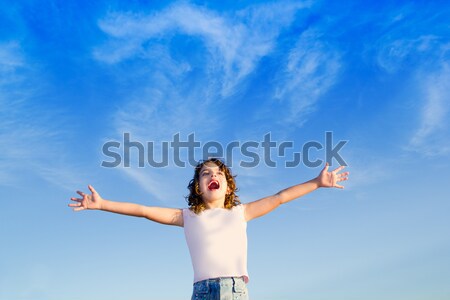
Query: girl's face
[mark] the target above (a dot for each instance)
(212, 183)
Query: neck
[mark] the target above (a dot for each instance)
(215, 204)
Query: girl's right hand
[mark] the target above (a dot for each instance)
(93, 201)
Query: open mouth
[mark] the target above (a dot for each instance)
(213, 185)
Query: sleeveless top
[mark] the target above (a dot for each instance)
(217, 242)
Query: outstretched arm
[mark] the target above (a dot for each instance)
(167, 216)
(265, 205)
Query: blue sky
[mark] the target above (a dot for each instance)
(76, 74)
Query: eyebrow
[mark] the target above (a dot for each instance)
(209, 169)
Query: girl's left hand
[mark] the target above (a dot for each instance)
(331, 179)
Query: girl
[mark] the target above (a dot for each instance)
(214, 224)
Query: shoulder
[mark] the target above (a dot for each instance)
(239, 207)
(240, 210)
(188, 213)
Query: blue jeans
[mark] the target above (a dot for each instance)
(223, 288)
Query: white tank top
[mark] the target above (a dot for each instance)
(217, 242)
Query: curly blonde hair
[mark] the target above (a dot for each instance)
(195, 200)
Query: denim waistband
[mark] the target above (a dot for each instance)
(222, 278)
(219, 279)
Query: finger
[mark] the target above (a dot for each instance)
(91, 188)
(342, 179)
(76, 199)
(327, 165)
(338, 169)
(75, 204)
(81, 193)
(342, 175)
(79, 208)
(338, 186)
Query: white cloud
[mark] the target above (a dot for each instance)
(172, 101)
(29, 142)
(311, 69)
(10, 56)
(235, 43)
(431, 136)
(392, 54)
(421, 56)
(150, 183)
(366, 173)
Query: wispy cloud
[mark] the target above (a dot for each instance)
(29, 141)
(235, 42)
(424, 54)
(311, 69)
(393, 53)
(366, 170)
(183, 95)
(431, 136)
(10, 58)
